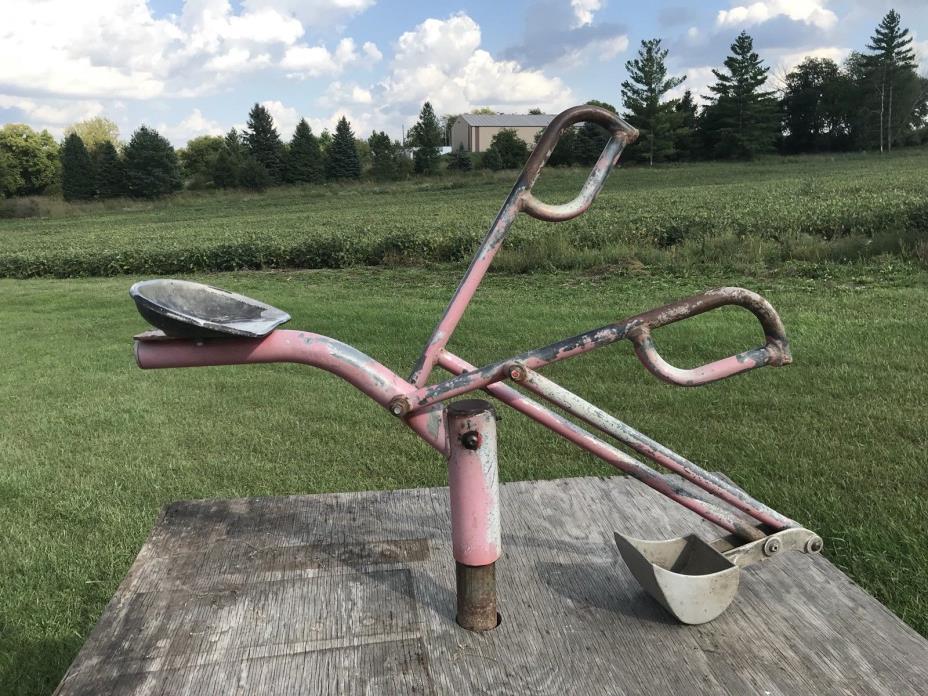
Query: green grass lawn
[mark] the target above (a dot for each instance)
(91, 447)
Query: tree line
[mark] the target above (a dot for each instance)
(875, 100)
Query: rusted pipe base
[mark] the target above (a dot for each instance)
(476, 596)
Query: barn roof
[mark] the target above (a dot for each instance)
(507, 120)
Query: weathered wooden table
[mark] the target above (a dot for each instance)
(354, 594)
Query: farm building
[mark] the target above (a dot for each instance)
(475, 131)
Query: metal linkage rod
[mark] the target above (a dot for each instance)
(641, 443)
(608, 453)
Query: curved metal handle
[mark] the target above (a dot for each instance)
(622, 135)
(775, 350)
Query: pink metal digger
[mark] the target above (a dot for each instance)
(694, 579)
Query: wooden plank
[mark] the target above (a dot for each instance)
(354, 594)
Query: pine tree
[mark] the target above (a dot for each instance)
(264, 143)
(151, 165)
(252, 175)
(684, 139)
(741, 119)
(342, 160)
(460, 160)
(111, 171)
(384, 156)
(77, 175)
(304, 159)
(892, 65)
(426, 137)
(226, 168)
(643, 93)
(591, 138)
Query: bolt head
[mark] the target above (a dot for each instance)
(771, 546)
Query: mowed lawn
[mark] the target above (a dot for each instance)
(92, 447)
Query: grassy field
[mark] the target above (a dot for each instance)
(788, 213)
(91, 447)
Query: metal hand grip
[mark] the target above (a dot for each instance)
(622, 135)
(774, 352)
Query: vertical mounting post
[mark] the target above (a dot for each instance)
(473, 481)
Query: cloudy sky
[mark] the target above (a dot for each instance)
(194, 67)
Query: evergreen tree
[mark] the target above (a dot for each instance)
(591, 138)
(892, 68)
(511, 149)
(684, 139)
(341, 161)
(643, 95)
(385, 156)
(741, 119)
(111, 171)
(264, 143)
(252, 175)
(77, 175)
(325, 140)
(236, 145)
(460, 160)
(226, 168)
(304, 159)
(151, 165)
(426, 137)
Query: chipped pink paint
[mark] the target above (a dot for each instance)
(360, 370)
(473, 485)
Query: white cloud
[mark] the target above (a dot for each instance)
(921, 55)
(584, 11)
(313, 61)
(371, 52)
(285, 117)
(440, 61)
(339, 94)
(119, 49)
(812, 12)
(698, 79)
(52, 112)
(194, 125)
(318, 13)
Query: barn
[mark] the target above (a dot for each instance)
(475, 131)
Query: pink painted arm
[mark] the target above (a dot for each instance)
(360, 370)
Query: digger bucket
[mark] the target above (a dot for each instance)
(696, 581)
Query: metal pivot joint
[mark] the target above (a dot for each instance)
(473, 484)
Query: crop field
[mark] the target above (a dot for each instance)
(788, 213)
(91, 447)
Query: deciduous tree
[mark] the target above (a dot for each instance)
(34, 156)
(511, 149)
(95, 131)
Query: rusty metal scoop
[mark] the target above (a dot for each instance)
(693, 579)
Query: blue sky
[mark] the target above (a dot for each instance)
(193, 67)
